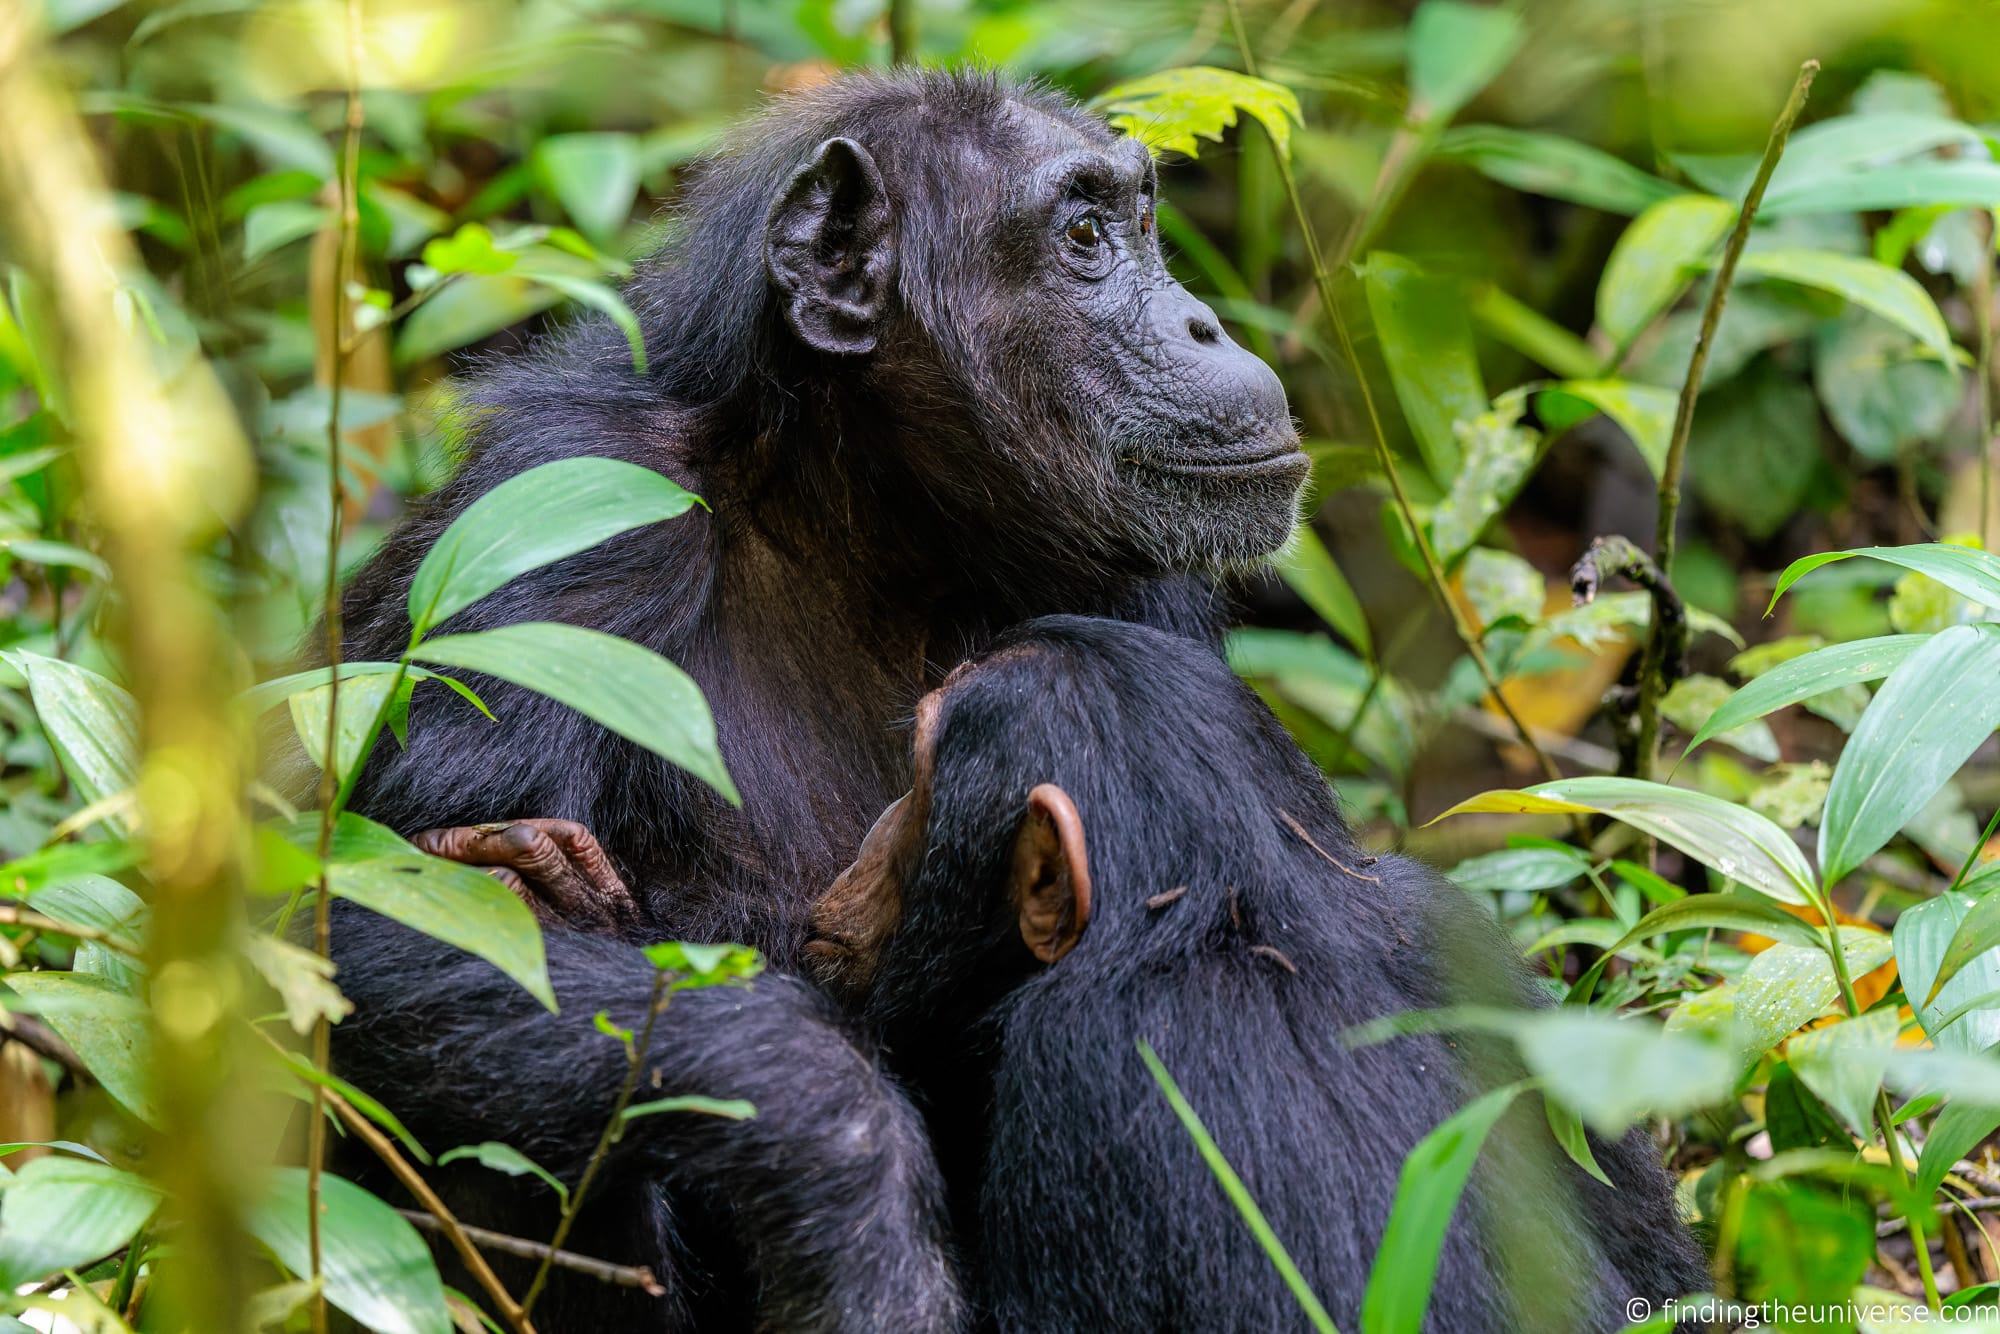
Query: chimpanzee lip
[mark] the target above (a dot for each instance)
(1258, 461)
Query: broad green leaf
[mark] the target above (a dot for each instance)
(1839, 147)
(1967, 571)
(1960, 181)
(1890, 293)
(1801, 678)
(62, 861)
(1724, 912)
(270, 694)
(1567, 1127)
(360, 701)
(594, 175)
(1456, 49)
(1239, 1195)
(1755, 450)
(628, 688)
(1654, 260)
(468, 310)
(57, 1213)
(1792, 794)
(1731, 839)
(1844, 1063)
(1923, 935)
(39, 551)
(532, 519)
(1879, 390)
(599, 297)
(1644, 412)
(275, 225)
(101, 902)
(93, 724)
(1500, 585)
(1499, 453)
(729, 1109)
(1426, 342)
(374, 1265)
(1957, 1131)
(1612, 1072)
(1433, 1177)
(1547, 164)
(1167, 110)
(285, 139)
(508, 1159)
(359, 1098)
(1785, 987)
(1977, 932)
(1516, 870)
(1308, 567)
(1936, 708)
(457, 904)
(1694, 699)
(103, 1025)
(470, 249)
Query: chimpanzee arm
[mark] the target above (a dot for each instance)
(830, 1188)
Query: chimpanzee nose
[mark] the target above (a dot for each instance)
(1242, 383)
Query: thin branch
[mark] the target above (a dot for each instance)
(329, 779)
(614, 1128)
(14, 915)
(1651, 686)
(1323, 282)
(621, 1276)
(42, 1040)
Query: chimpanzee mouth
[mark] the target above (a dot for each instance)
(1267, 461)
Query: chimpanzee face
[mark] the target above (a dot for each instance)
(1013, 279)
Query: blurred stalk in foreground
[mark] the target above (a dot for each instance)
(165, 471)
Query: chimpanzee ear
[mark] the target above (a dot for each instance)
(830, 247)
(1051, 874)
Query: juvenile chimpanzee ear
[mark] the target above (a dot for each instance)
(830, 248)
(1051, 874)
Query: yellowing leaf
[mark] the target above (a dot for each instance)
(1167, 110)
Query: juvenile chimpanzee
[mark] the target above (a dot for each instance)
(1110, 839)
(914, 344)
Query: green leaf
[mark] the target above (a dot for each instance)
(595, 176)
(101, 902)
(1934, 710)
(360, 701)
(1654, 260)
(1801, 678)
(270, 694)
(103, 1025)
(1239, 1195)
(1426, 341)
(1879, 392)
(457, 904)
(1567, 1127)
(1531, 333)
(1694, 699)
(1957, 1131)
(93, 724)
(362, 1101)
(1433, 1178)
(302, 979)
(1456, 49)
(1965, 570)
(1612, 1072)
(1844, 1063)
(630, 689)
(275, 225)
(1499, 455)
(57, 1213)
(532, 519)
(1167, 110)
(730, 1109)
(1784, 988)
(1890, 293)
(1961, 181)
(508, 1159)
(1723, 912)
(1519, 870)
(373, 1264)
(470, 249)
(1308, 567)
(704, 965)
(1923, 934)
(1731, 839)
(1500, 585)
(1977, 932)
(470, 309)
(598, 297)
(1644, 412)
(1755, 449)
(1547, 164)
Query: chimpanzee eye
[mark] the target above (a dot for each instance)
(1084, 231)
(1146, 222)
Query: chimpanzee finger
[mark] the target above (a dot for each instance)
(530, 855)
(544, 914)
(592, 865)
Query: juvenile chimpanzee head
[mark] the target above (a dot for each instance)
(961, 280)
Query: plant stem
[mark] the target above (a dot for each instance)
(1982, 314)
(1323, 282)
(1652, 663)
(619, 1276)
(1885, 1115)
(614, 1128)
(329, 777)
(11, 915)
(902, 31)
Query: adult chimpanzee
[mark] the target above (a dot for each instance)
(914, 344)
(1108, 839)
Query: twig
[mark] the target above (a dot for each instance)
(1982, 314)
(1323, 283)
(329, 777)
(614, 1127)
(13, 915)
(1651, 662)
(1299, 832)
(622, 1276)
(42, 1040)
(1981, 1204)
(1617, 557)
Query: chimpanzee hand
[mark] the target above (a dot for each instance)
(556, 867)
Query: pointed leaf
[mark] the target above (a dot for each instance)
(1723, 912)
(1967, 571)
(1810, 674)
(1547, 164)
(360, 700)
(532, 519)
(1731, 839)
(58, 1213)
(1784, 988)
(1890, 293)
(1167, 110)
(1844, 1063)
(1923, 935)
(1957, 1131)
(457, 904)
(1456, 49)
(1935, 709)
(1644, 412)
(1426, 341)
(374, 1265)
(628, 688)
(595, 175)
(93, 724)
(1308, 567)
(1654, 260)
(104, 1026)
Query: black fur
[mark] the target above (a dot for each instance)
(1019, 440)
(1081, 1194)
